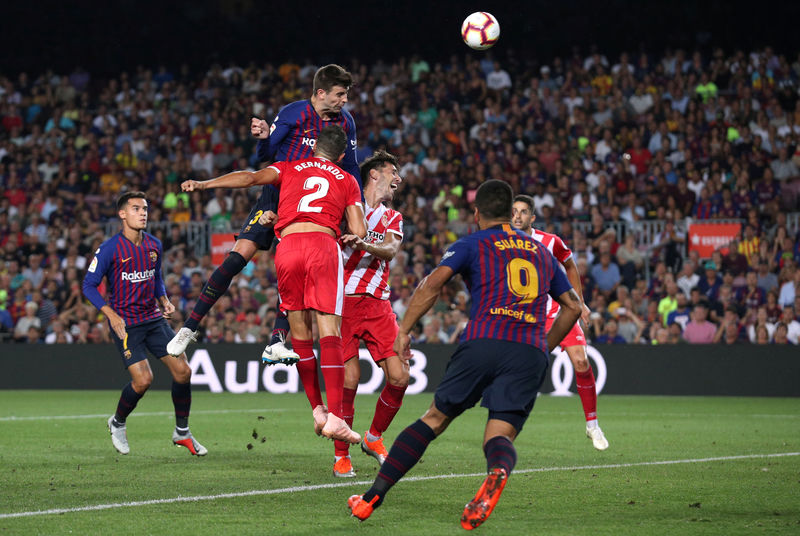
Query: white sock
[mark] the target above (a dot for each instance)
(591, 424)
(372, 438)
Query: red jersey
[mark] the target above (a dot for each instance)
(561, 252)
(364, 273)
(314, 190)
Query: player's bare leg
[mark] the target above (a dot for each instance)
(387, 406)
(587, 390)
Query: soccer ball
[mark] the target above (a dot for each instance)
(480, 30)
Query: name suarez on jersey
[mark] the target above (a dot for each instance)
(514, 243)
(330, 168)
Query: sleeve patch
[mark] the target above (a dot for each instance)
(93, 265)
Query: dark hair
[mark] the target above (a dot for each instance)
(331, 141)
(376, 161)
(493, 199)
(522, 198)
(331, 75)
(123, 199)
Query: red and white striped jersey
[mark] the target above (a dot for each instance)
(562, 254)
(364, 273)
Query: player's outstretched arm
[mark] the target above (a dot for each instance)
(571, 307)
(236, 179)
(422, 300)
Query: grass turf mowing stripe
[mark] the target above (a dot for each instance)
(367, 482)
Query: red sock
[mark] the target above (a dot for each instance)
(584, 381)
(307, 369)
(342, 448)
(387, 407)
(332, 365)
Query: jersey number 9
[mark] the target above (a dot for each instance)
(523, 279)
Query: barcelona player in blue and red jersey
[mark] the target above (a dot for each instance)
(292, 136)
(136, 310)
(502, 356)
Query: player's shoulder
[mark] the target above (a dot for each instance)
(108, 246)
(348, 117)
(293, 109)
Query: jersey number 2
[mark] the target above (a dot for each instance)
(322, 186)
(523, 279)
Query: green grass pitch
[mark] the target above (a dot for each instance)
(736, 469)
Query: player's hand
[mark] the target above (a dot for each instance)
(353, 241)
(191, 186)
(117, 324)
(167, 309)
(585, 312)
(268, 218)
(402, 346)
(259, 128)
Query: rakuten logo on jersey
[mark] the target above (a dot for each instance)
(311, 142)
(138, 277)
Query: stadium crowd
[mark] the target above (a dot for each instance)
(599, 143)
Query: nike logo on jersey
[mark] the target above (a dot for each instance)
(307, 131)
(126, 260)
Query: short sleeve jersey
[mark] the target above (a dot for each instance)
(363, 272)
(509, 276)
(314, 190)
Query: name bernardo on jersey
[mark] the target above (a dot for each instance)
(330, 168)
(138, 277)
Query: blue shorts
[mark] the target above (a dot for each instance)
(151, 336)
(252, 230)
(507, 375)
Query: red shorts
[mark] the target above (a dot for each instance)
(371, 320)
(575, 336)
(310, 273)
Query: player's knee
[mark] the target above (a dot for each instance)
(142, 383)
(398, 378)
(579, 361)
(183, 373)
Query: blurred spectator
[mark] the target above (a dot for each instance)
(610, 334)
(30, 320)
(699, 330)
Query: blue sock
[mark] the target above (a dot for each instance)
(182, 400)
(127, 402)
(281, 329)
(500, 452)
(215, 287)
(406, 451)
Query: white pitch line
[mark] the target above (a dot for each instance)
(138, 414)
(196, 498)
